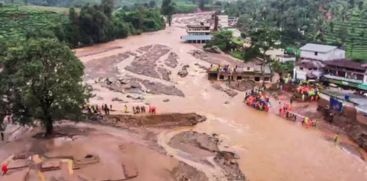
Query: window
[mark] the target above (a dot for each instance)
(316, 53)
(266, 79)
(360, 77)
(301, 68)
(257, 79)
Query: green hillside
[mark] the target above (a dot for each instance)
(352, 34)
(18, 21)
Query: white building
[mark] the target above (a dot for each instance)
(312, 58)
(223, 21)
(321, 52)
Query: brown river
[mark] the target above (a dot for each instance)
(269, 147)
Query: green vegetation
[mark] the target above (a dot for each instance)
(168, 9)
(16, 23)
(283, 68)
(41, 80)
(88, 25)
(223, 40)
(339, 22)
(185, 7)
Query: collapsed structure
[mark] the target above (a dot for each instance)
(254, 70)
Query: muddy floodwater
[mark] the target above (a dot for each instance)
(269, 147)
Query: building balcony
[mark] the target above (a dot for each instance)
(343, 79)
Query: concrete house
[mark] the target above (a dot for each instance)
(312, 59)
(197, 34)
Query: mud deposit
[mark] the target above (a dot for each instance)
(162, 120)
(201, 147)
(146, 63)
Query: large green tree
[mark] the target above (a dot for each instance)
(222, 40)
(168, 9)
(43, 79)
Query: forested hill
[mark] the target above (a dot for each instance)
(80, 3)
(338, 22)
(78, 27)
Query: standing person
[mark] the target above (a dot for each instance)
(103, 109)
(110, 107)
(125, 109)
(107, 109)
(4, 168)
(336, 139)
(137, 109)
(142, 109)
(2, 130)
(291, 100)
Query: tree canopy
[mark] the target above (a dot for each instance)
(43, 79)
(222, 39)
(168, 9)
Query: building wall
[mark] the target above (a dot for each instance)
(299, 74)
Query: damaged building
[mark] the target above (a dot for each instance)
(254, 70)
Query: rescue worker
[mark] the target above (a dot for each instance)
(125, 109)
(4, 168)
(336, 139)
(142, 109)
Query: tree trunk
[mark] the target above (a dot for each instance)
(49, 127)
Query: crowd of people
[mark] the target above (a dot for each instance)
(96, 109)
(286, 112)
(308, 93)
(257, 99)
(106, 110)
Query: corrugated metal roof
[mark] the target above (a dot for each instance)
(317, 47)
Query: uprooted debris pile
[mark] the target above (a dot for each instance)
(227, 161)
(161, 120)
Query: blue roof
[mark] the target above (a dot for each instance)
(197, 37)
